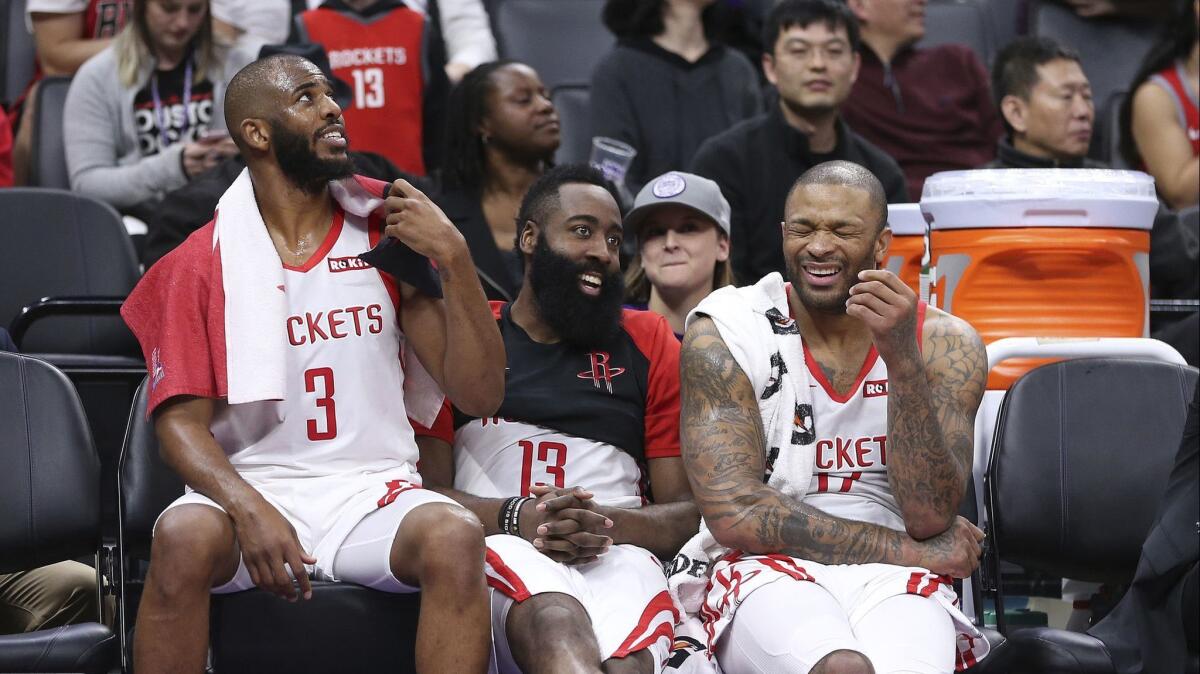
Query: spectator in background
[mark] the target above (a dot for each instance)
(681, 222)
(501, 135)
(1160, 122)
(65, 33)
(1045, 99)
(464, 27)
(253, 23)
(929, 108)
(392, 58)
(143, 116)
(6, 144)
(1045, 102)
(666, 86)
(813, 62)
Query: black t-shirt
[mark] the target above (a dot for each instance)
(182, 123)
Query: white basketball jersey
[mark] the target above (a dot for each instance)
(344, 411)
(494, 457)
(850, 477)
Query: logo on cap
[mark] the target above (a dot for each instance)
(669, 185)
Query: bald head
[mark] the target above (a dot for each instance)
(847, 174)
(256, 90)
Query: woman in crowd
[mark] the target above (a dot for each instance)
(667, 86)
(144, 115)
(681, 222)
(1160, 122)
(502, 132)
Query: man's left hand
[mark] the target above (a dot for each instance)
(888, 307)
(414, 219)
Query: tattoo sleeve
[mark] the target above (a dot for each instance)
(723, 451)
(931, 424)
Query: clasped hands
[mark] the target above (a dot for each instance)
(565, 524)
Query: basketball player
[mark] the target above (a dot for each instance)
(322, 479)
(859, 549)
(591, 401)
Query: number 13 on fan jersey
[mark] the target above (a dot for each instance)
(542, 464)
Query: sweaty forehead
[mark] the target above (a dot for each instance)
(586, 200)
(289, 75)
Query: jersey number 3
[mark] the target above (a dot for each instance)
(541, 454)
(324, 402)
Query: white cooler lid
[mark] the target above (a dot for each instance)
(906, 219)
(988, 198)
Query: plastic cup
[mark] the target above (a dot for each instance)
(612, 157)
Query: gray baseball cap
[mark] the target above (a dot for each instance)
(686, 189)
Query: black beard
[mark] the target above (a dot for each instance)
(300, 163)
(827, 303)
(579, 320)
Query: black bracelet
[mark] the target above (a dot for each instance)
(509, 517)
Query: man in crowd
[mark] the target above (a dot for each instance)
(393, 58)
(929, 107)
(578, 476)
(857, 403)
(812, 59)
(1046, 103)
(247, 326)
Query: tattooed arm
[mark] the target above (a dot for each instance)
(724, 453)
(933, 394)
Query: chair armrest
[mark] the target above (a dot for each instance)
(62, 306)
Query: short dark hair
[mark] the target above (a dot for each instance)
(542, 197)
(803, 13)
(1015, 70)
(644, 18)
(847, 174)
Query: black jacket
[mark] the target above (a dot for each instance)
(1150, 629)
(756, 162)
(499, 270)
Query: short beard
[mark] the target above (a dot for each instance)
(831, 303)
(580, 321)
(300, 163)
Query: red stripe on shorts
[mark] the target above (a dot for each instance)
(508, 581)
(661, 603)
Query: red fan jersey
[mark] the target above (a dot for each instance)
(381, 57)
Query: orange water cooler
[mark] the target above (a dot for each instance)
(907, 252)
(1041, 253)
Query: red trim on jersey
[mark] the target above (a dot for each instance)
(443, 426)
(1191, 113)
(505, 579)
(335, 230)
(652, 335)
(819, 375)
(375, 227)
(661, 603)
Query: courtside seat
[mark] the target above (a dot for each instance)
(1080, 459)
(562, 40)
(49, 161)
(575, 117)
(343, 628)
(50, 505)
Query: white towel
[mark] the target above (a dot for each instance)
(754, 322)
(256, 307)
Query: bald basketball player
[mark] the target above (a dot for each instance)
(855, 526)
(324, 481)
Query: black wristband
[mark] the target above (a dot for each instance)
(509, 517)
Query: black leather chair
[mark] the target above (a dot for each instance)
(49, 161)
(574, 111)
(343, 628)
(50, 500)
(561, 39)
(67, 266)
(1080, 457)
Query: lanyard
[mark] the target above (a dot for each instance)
(159, 117)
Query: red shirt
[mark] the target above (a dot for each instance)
(931, 109)
(6, 142)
